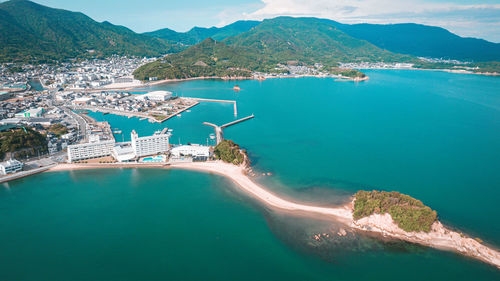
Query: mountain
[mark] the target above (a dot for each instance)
(274, 42)
(423, 41)
(29, 31)
(206, 59)
(308, 40)
(198, 34)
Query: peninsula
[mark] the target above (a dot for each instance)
(438, 236)
(367, 212)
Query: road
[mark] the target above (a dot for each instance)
(82, 123)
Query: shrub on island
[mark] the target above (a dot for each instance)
(230, 152)
(408, 213)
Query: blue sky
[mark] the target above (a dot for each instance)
(479, 18)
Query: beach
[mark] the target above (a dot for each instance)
(439, 237)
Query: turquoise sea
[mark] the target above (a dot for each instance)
(432, 135)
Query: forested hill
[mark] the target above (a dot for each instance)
(32, 32)
(274, 42)
(423, 41)
(408, 38)
(309, 40)
(198, 34)
(206, 59)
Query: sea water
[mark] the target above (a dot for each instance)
(432, 135)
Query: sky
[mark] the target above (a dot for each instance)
(469, 18)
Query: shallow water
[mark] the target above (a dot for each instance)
(432, 135)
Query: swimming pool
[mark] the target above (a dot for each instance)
(157, 158)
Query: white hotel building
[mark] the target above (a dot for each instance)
(90, 150)
(10, 166)
(157, 143)
(122, 152)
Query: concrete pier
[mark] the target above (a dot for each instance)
(223, 101)
(219, 129)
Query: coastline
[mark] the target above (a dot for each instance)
(439, 237)
(456, 71)
(223, 78)
(261, 78)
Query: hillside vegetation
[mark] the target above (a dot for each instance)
(408, 213)
(309, 40)
(198, 34)
(22, 143)
(207, 59)
(301, 41)
(230, 152)
(32, 32)
(423, 41)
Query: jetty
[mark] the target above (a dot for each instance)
(219, 129)
(222, 101)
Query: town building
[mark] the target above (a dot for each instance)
(10, 166)
(195, 151)
(155, 96)
(124, 152)
(90, 150)
(151, 145)
(34, 112)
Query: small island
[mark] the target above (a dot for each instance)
(408, 213)
(230, 152)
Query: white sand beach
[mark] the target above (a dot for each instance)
(439, 237)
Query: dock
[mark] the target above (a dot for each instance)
(221, 101)
(219, 129)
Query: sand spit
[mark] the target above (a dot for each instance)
(439, 237)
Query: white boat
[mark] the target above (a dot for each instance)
(188, 110)
(212, 136)
(178, 115)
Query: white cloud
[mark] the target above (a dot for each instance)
(479, 20)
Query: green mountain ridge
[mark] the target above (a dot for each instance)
(308, 40)
(405, 38)
(198, 34)
(206, 59)
(32, 32)
(274, 42)
(423, 41)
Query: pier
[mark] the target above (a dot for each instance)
(222, 101)
(219, 129)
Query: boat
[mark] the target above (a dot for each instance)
(178, 115)
(117, 132)
(188, 110)
(236, 88)
(170, 130)
(143, 118)
(212, 136)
